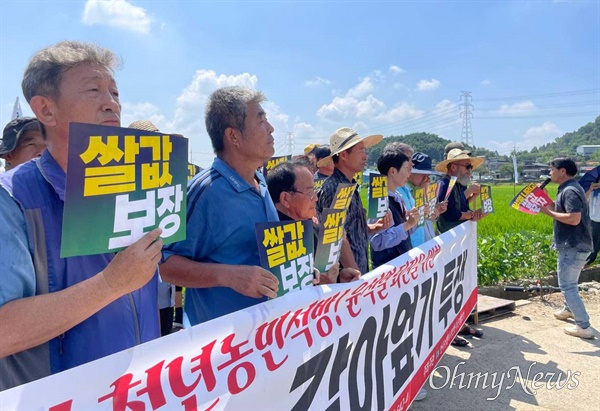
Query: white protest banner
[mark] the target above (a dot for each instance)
(370, 344)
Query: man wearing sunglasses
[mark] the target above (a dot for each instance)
(459, 164)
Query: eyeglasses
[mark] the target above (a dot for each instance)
(312, 195)
(467, 166)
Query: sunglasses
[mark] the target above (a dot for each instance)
(467, 166)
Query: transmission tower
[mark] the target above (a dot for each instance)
(289, 143)
(466, 135)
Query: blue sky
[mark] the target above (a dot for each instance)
(393, 67)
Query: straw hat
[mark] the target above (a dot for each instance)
(144, 125)
(343, 139)
(310, 148)
(458, 155)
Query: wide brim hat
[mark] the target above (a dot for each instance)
(457, 154)
(345, 138)
(310, 148)
(145, 125)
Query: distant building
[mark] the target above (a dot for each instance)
(535, 169)
(587, 150)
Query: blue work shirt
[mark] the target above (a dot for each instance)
(222, 210)
(18, 280)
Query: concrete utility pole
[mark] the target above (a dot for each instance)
(466, 135)
(289, 143)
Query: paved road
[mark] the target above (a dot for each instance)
(530, 342)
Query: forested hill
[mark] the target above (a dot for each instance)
(433, 145)
(430, 144)
(567, 144)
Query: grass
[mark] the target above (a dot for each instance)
(506, 219)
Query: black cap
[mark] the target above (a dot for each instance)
(13, 131)
(422, 164)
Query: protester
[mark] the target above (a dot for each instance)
(573, 242)
(58, 313)
(405, 199)
(309, 151)
(419, 178)
(22, 140)
(292, 189)
(590, 182)
(348, 153)
(458, 164)
(325, 170)
(451, 146)
(166, 291)
(218, 262)
(394, 241)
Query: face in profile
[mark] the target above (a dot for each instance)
(257, 141)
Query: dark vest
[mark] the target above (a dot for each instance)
(383, 256)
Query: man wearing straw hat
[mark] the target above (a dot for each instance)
(459, 164)
(349, 155)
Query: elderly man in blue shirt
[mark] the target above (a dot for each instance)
(57, 313)
(218, 262)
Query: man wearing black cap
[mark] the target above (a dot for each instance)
(22, 140)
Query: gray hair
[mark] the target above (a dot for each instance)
(397, 146)
(227, 107)
(43, 75)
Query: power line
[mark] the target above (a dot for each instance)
(513, 117)
(546, 95)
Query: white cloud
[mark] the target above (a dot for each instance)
(517, 108)
(144, 111)
(402, 111)
(485, 82)
(427, 85)
(361, 89)
(116, 13)
(532, 137)
(395, 70)
(359, 107)
(188, 118)
(318, 81)
(444, 105)
(543, 134)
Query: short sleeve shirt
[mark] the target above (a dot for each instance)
(571, 199)
(356, 218)
(222, 210)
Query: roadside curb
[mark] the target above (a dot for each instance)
(587, 275)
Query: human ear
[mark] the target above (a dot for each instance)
(44, 109)
(232, 137)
